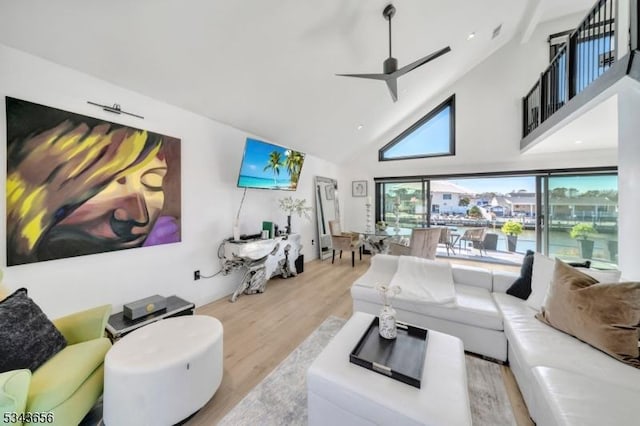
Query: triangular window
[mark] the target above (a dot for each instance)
(432, 136)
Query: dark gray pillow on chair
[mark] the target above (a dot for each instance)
(28, 338)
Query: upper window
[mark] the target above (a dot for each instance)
(432, 136)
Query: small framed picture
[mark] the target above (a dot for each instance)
(359, 188)
(329, 192)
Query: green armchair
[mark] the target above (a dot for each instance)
(68, 384)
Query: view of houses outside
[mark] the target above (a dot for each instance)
(460, 204)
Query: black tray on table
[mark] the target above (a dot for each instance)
(401, 358)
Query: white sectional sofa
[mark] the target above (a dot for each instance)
(476, 319)
(563, 380)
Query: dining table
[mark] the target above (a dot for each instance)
(378, 239)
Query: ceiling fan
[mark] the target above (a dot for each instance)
(390, 69)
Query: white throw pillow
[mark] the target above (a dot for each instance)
(540, 280)
(542, 275)
(603, 276)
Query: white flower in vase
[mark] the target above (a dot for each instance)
(289, 205)
(388, 292)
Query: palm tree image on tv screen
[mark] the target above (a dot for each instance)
(268, 166)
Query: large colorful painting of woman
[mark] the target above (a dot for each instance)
(78, 185)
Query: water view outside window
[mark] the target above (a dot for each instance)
(487, 203)
(583, 218)
(404, 201)
(580, 214)
(462, 204)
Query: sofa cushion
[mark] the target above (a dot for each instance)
(474, 306)
(538, 344)
(605, 315)
(28, 337)
(76, 363)
(570, 398)
(502, 280)
(473, 276)
(381, 270)
(521, 287)
(14, 387)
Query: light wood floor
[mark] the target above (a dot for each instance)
(261, 330)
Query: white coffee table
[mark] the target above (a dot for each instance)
(342, 393)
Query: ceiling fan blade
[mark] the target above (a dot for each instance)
(420, 62)
(392, 84)
(370, 76)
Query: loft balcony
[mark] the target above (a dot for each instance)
(596, 55)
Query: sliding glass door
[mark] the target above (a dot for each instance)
(582, 218)
(562, 214)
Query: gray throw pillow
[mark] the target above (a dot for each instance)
(28, 338)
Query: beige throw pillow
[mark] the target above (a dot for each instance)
(604, 315)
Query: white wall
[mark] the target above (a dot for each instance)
(629, 180)
(488, 123)
(211, 155)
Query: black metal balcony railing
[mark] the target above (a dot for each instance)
(588, 53)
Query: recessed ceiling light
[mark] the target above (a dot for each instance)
(360, 126)
(471, 35)
(578, 142)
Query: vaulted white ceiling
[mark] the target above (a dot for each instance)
(268, 67)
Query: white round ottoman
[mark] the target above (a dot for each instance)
(162, 373)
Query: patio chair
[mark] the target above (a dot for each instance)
(445, 238)
(423, 243)
(476, 236)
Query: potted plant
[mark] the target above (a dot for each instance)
(581, 232)
(512, 229)
(381, 225)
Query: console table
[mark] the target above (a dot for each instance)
(260, 260)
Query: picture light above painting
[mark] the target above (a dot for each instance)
(267, 166)
(78, 185)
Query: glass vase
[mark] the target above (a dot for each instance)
(387, 323)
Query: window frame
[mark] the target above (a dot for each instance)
(449, 102)
(541, 187)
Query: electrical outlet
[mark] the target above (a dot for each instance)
(313, 242)
(196, 275)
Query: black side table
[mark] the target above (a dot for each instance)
(118, 325)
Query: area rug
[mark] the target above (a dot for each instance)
(281, 398)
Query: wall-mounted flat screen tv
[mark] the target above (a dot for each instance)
(267, 166)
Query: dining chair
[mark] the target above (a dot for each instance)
(423, 243)
(344, 241)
